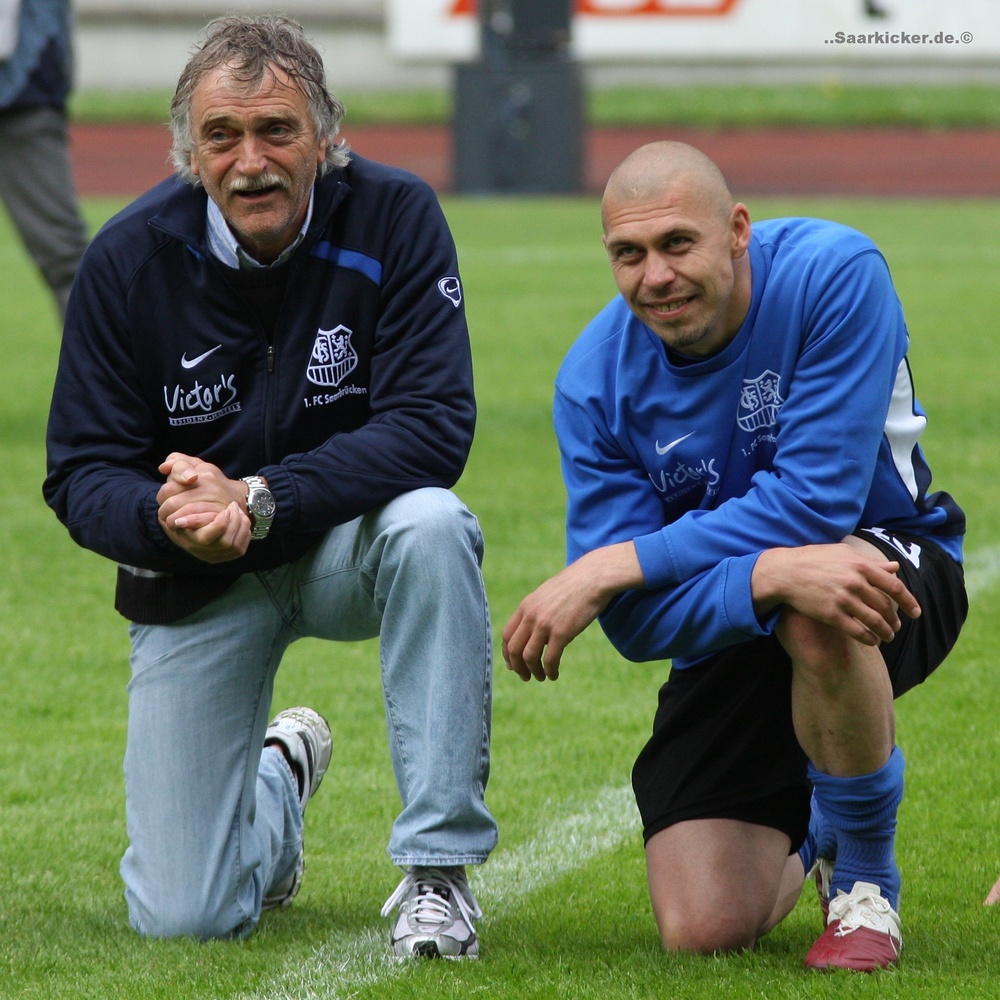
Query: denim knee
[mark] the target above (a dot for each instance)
(193, 915)
(430, 523)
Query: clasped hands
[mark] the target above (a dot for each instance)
(202, 510)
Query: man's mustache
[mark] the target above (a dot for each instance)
(242, 185)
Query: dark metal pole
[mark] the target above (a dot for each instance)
(519, 117)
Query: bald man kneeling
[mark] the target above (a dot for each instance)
(748, 499)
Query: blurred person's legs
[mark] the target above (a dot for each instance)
(37, 188)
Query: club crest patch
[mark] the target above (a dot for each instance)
(333, 357)
(760, 400)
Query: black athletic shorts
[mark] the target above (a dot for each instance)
(723, 745)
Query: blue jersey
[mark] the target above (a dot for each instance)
(802, 429)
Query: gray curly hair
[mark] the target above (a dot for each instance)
(252, 47)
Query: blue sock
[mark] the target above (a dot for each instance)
(820, 841)
(861, 813)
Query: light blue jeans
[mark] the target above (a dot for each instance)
(214, 822)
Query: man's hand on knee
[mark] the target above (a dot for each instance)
(839, 585)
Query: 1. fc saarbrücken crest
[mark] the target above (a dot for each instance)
(333, 357)
(760, 400)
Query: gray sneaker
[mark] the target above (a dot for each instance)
(436, 913)
(304, 735)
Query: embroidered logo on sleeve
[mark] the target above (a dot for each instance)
(451, 289)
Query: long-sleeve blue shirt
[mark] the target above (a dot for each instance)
(802, 429)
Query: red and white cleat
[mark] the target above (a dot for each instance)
(862, 932)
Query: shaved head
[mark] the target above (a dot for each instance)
(658, 167)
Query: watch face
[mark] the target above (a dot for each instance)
(262, 503)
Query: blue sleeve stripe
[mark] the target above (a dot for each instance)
(350, 259)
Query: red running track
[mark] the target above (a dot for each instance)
(124, 160)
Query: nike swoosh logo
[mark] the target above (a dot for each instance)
(673, 444)
(186, 363)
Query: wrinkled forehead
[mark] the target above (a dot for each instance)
(225, 91)
(239, 78)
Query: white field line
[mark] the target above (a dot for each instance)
(349, 961)
(982, 569)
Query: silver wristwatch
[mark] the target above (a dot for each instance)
(260, 506)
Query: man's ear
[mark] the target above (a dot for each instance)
(739, 230)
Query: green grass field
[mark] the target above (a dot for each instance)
(567, 914)
(833, 102)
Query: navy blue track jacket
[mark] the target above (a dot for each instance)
(365, 392)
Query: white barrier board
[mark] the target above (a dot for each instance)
(939, 31)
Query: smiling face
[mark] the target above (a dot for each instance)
(256, 153)
(677, 247)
